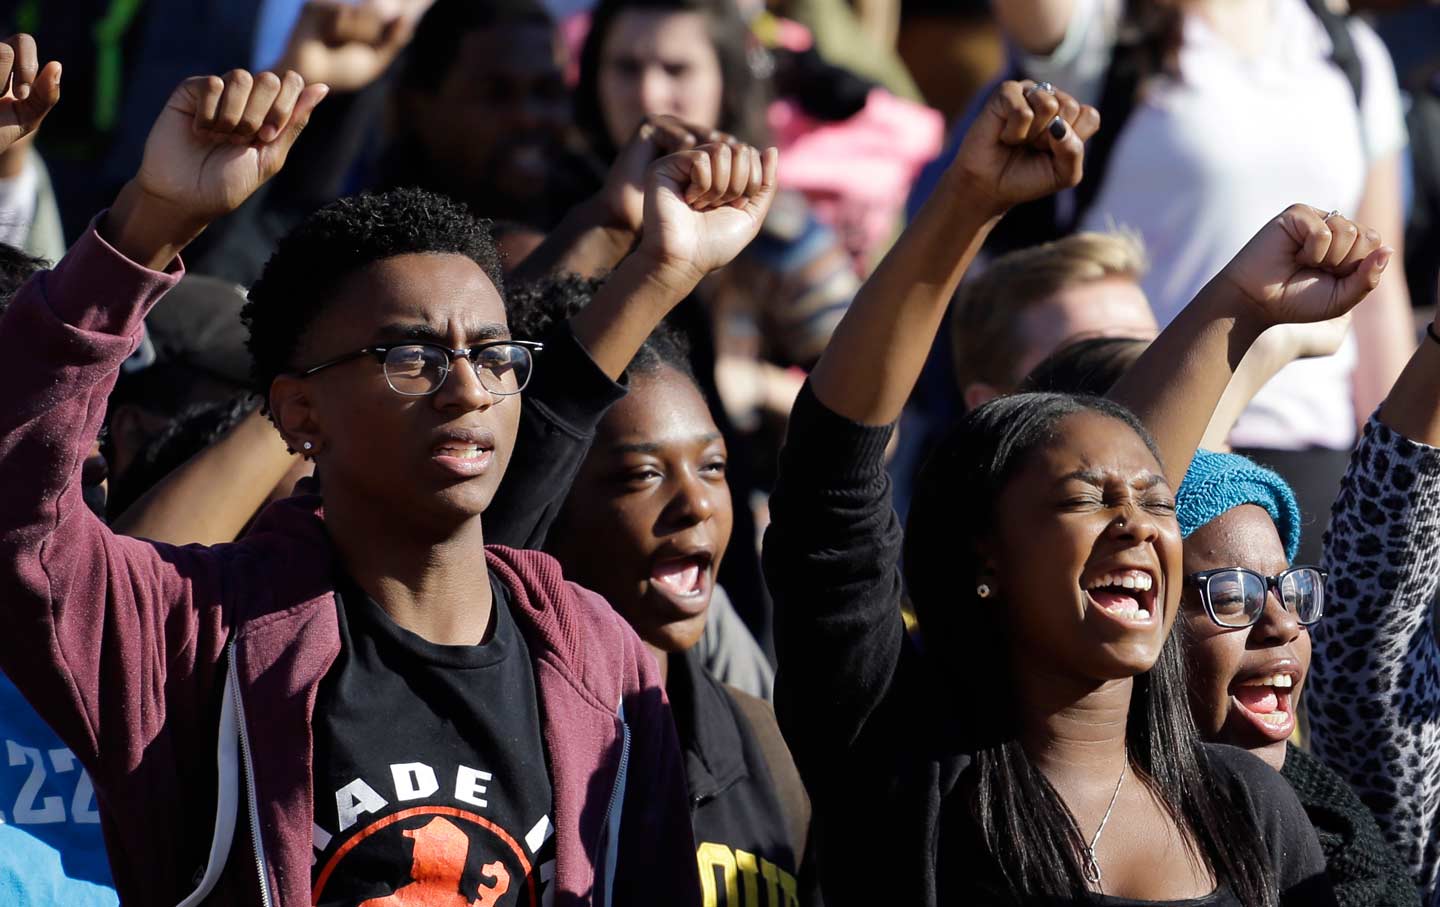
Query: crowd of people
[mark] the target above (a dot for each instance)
(493, 453)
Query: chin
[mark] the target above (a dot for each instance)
(1129, 660)
(677, 637)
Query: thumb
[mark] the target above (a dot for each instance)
(759, 204)
(305, 105)
(44, 94)
(1350, 290)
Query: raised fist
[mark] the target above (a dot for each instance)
(27, 92)
(704, 205)
(657, 136)
(348, 46)
(1306, 266)
(1028, 142)
(218, 139)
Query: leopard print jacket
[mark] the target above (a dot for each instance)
(1374, 684)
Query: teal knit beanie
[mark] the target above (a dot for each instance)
(1217, 482)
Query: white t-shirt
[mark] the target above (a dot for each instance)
(1207, 158)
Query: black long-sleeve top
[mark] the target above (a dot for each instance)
(857, 708)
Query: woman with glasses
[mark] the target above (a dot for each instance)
(1246, 617)
(1374, 701)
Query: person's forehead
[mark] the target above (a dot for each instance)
(1243, 536)
(658, 31)
(1096, 443)
(1114, 307)
(440, 290)
(663, 408)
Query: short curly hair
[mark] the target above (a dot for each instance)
(346, 235)
(536, 308)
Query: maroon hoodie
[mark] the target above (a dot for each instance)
(137, 652)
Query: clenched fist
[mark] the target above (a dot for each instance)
(1028, 142)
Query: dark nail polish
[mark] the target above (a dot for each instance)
(1057, 128)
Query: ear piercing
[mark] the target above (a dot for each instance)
(308, 446)
(982, 590)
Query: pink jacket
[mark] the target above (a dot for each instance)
(137, 652)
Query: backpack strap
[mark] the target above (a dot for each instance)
(788, 787)
(1119, 94)
(1342, 43)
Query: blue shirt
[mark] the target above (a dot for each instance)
(51, 850)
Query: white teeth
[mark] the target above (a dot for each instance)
(471, 452)
(1279, 681)
(1132, 613)
(1138, 580)
(1275, 719)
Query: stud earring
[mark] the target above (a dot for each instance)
(982, 590)
(308, 445)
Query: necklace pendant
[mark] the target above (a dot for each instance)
(1091, 868)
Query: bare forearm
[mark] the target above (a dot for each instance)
(584, 243)
(1037, 26)
(1260, 364)
(1384, 338)
(1413, 406)
(1177, 384)
(875, 356)
(146, 230)
(211, 498)
(624, 312)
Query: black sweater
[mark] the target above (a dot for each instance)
(856, 708)
(747, 807)
(1364, 867)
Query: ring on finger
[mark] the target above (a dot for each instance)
(1334, 212)
(1040, 86)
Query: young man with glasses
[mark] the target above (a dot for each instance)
(395, 724)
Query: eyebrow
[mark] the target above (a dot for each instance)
(421, 331)
(1096, 477)
(652, 447)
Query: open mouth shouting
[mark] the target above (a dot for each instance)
(1264, 698)
(1124, 595)
(684, 578)
(463, 453)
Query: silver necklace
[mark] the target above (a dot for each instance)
(1090, 867)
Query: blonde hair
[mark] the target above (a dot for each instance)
(986, 309)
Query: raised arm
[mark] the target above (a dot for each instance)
(71, 590)
(211, 498)
(701, 207)
(1302, 267)
(1275, 349)
(1374, 690)
(1011, 154)
(597, 234)
(833, 547)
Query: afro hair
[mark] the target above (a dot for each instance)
(308, 264)
(535, 308)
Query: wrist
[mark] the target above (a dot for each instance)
(150, 231)
(673, 277)
(1220, 301)
(968, 194)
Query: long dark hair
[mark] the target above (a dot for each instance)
(745, 96)
(1022, 821)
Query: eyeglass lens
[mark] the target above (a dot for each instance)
(416, 371)
(1238, 597)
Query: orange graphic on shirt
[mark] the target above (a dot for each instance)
(438, 862)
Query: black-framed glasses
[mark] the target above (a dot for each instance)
(419, 369)
(1235, 596)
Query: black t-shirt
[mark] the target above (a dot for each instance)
(431, 784)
